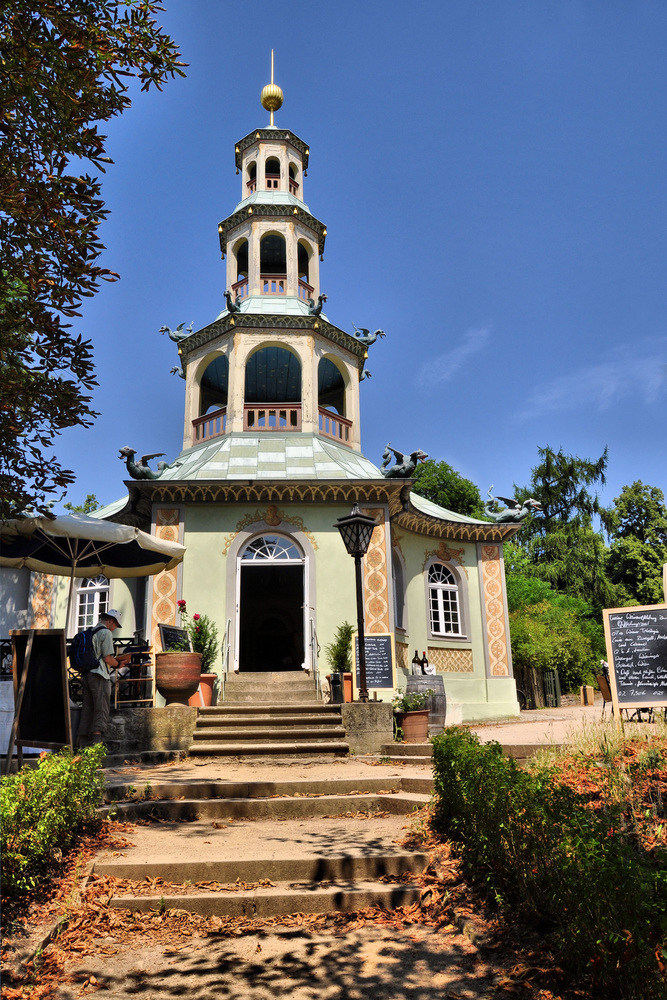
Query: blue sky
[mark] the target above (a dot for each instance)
(492, 178)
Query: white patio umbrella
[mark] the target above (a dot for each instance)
(76, 545)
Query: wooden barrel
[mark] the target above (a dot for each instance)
(437, 703)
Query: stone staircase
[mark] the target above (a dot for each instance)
(270, 714)
(265, 848)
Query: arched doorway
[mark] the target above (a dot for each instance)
(270, 604)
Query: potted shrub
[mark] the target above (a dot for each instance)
(180, 669)
(412, 715)
(339, 655)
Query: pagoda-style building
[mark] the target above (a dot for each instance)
(272, 457)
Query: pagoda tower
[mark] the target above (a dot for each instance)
(271, 459)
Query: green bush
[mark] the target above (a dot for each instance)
(43, 809)
(574, 871)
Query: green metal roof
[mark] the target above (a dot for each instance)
(271, 456)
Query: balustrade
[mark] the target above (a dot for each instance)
(240, 289)
(273, 284)
(272, 181)
(293, 187)
(305, 290)
(251, 186)
(211, 425)
(272, 417)
(332, 425)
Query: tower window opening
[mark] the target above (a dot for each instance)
(273, 264)
(272, 375)
(330, 387)
(293, 183)
(303, 264)
(214, 385)
(252, 178)
(272, 173)
(240, 286)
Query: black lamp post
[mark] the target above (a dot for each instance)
(356, 530)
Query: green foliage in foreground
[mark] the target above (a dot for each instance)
(43, 809)
(575, 872)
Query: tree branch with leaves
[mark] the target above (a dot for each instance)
(66, 65)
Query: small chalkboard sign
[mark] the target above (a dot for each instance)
(637, 654)
(41, 698)
(172, 637)
(380, 661)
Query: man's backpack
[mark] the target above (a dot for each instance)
(82, 655)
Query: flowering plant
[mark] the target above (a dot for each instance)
(203, 634)
(415, 701)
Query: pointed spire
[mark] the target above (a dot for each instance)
(272, 95)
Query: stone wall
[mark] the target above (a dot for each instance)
(368, 725)
(141, 729)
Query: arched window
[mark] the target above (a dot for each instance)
(240, 286)
(251, 186)
(273, 264)
(214, 385)
(399, 589)
(293, 183)
(330, 387)
(445, 617)
(272, 173)
(303, 262)
(272, 548)
(92, 600)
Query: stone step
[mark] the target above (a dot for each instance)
(268, 749)
(278, 900)
(299, 787)
(264, 697)
(278, 677)
(246, 720)
(188, 810)
(269, 733)
(353, 865)
(399, 750)
(272, 709)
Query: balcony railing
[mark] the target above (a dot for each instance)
(272, 181)
(293, 187)
(211, 425)
(334, 426)
(240, 289)
(251, 186)
(273, 284)
(305, 290)
(272, 417)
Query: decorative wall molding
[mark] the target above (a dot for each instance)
(451, 661)
(271, 135)
(42, 590)
(165, 584)
(376, 587)
(260, 211)
(494, 611)
(273, 517)
(445, 553)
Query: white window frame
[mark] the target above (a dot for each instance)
(446, 598)
(93, 597)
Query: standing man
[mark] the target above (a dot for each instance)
(97, 682)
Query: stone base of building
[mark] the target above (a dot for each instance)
(136, 730)
(368, 725)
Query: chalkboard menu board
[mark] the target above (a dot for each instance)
(637, 653)
(380, 669)
(172, 637)
(41, 699)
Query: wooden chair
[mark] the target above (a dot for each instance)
(605, 691)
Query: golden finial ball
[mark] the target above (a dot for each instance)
(272, 97)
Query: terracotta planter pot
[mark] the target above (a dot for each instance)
(203, 697)
(347, 686)
(177, 675)
(414, 726)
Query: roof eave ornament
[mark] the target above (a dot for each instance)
(272, 96)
